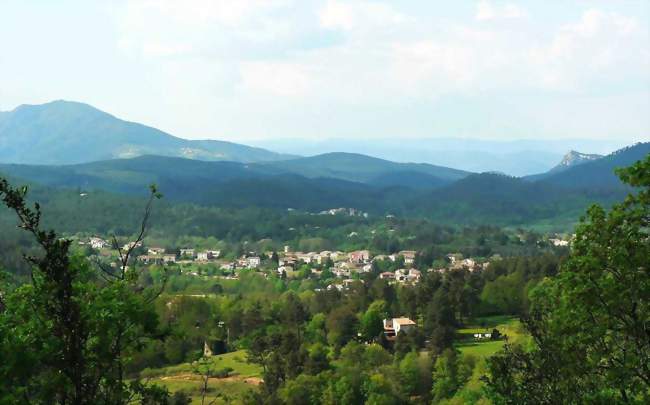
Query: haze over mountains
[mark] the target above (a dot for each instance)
(74, 146)
(64, 132)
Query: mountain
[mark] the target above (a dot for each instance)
(64, 132)
(366, 169)
(574, 158)
(486, 198)
(515, 157)
(596, 174)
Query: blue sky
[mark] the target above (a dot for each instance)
(251, 69)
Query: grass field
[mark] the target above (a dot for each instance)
(508, 326)
(182, 377)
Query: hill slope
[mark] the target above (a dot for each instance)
(367, 169)
(64, 132)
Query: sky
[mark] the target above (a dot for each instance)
(261, 70)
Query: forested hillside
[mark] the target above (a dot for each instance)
(64, 132)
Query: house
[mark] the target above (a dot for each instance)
(150, 259)
(387, 275)
(307, 257)
(341, 272)
(169, 258)
(227, 266)
(393, 326)
(284, 269)
(338, 287)
(131, 245)
(187, 252)
(359, 256)
(367, 268)
(203, 256)
(98, 243)
(401, 275)
(559, 242)
(156, 251)
(454, 257)
(214, 253)
(469, 264)
(408, 255)
(414, 275)
(253, 262)
(287, 261)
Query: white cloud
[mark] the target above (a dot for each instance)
(486, 10)
(359, 15)
(261, 56)
(600, 46)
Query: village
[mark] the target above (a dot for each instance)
(341, 268)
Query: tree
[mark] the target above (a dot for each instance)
(64, 336)
(439, 321)
(372, 323)
(589, 324)
(409, 370)
(341, 326)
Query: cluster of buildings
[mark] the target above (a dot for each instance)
(157, 255)
(245, 262)
(353, 212)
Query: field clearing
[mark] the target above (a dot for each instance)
(509, 326)
(244, 377)
(222, 391)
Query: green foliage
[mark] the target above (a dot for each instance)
(65, 337)
(589, 324)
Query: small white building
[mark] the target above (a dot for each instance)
(156, 251)
(98, 243)
(393, 326)
(253, 262)
(187, 252)
(203, 256)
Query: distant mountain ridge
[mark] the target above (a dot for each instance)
(366, 169)
(574, 158)
(595, 173)
(66, 132)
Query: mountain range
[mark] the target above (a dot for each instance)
(80, 148)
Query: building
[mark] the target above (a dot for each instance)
(203, 256)
(414, 275)
(156, 251)
(98, 243)
(393, 326)
(187, 252)
(408, 255)
(150, 259)
(228, 266)
(387, 275)
(253, 262)
(341, 272)
(359, 256)
(559, 242)
(131, 245)
(169, 258)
